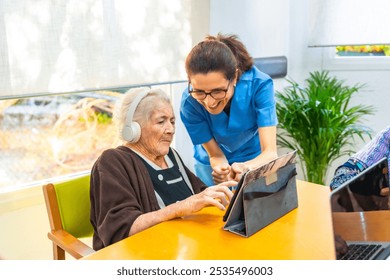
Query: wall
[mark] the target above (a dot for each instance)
(25, 235)
(24, 225)
(263, 26)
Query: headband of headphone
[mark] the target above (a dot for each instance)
(131, 131)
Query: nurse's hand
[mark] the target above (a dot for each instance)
(237, 170)
(221, 173)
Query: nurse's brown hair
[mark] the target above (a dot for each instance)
(221, 53)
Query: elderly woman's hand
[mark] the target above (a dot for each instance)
(218, 196)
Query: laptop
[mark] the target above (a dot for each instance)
(353, 203)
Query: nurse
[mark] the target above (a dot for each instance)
(228, 110)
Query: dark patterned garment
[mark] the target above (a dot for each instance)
(121, 191)
(169, 182)
(372, 152)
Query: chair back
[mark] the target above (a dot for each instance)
(68, 207)
(74, 206)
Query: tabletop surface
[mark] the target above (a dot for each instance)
(363, 226)
(304, 233)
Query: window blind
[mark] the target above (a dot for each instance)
(70, 45)
(349, 22)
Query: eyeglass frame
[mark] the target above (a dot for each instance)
(210, 92)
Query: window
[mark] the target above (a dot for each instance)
(336, 58)
(364, 50)
(46, 137)
(65, 46)
(51, 136)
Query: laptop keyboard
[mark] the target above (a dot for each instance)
(360, 251)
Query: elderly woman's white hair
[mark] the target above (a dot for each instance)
(144, 109)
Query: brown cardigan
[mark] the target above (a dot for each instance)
(121, 190)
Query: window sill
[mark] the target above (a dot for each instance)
(332, 62)
(18, 197)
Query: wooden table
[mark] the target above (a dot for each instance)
(373, 225)
(304, 233)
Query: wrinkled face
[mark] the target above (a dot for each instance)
(212, 82)
(157, 133)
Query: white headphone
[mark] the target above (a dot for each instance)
(131, 131)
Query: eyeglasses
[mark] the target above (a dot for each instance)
(217, 94)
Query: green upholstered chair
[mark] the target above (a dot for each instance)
(68, 208)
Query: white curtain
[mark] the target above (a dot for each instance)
(349, 22)
(55, 46)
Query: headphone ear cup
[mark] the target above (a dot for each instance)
(132, 132)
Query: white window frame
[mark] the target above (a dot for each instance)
(331, 61)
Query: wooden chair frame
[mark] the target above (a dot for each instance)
(62, 240)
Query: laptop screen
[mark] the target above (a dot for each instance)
(359, 213)
(367, 191)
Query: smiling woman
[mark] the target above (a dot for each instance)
(228, 110)
(217, 98)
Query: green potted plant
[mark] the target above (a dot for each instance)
(318, 121)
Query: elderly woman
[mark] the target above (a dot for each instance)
(144, 182)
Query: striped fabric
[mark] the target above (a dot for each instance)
(373, 151)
